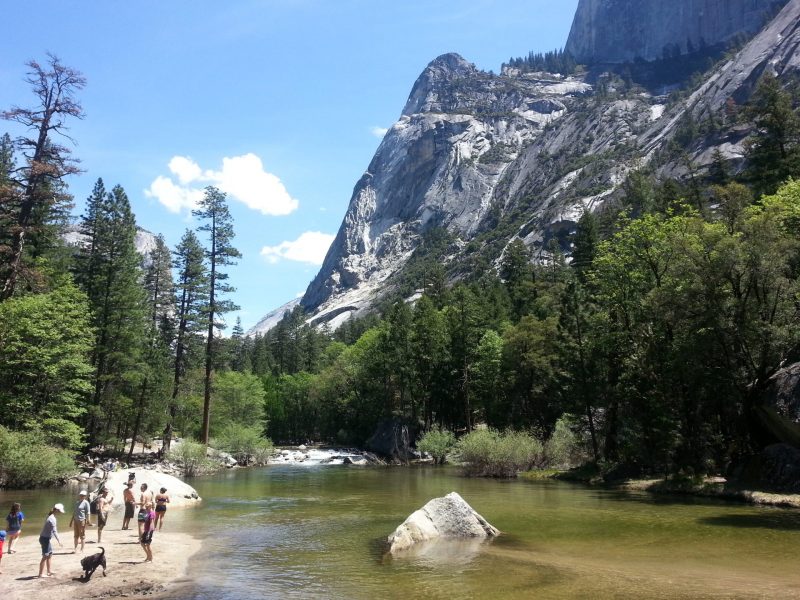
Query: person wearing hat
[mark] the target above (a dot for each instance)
(79, 519)
(50, 530)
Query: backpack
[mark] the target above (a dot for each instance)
(94, 507)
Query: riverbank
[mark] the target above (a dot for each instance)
(127, 574)
(707, 487)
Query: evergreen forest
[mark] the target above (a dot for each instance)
(650, 338)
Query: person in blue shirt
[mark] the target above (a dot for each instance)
(14, 521)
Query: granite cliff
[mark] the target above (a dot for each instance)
(491, 158)
(618, 31)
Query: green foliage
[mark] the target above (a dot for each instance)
(490, 453)
(238, 400)
(245, 444)
(438, 443)
(191, 456)
(45, 375)
(27, 462)
(565, 448)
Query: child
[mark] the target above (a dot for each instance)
(148, 527)
(14, 520)
(2, 540)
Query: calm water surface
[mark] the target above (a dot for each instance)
(318, 532)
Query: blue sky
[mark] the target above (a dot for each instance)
(281, 103)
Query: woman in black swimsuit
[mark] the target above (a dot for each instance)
(161, 508)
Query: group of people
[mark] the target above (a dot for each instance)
(152, 510)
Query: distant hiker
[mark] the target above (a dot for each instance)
(50, 530)
(162, 499)
(147, 535)
(130, 504)
(14, 521)
(80, 516)
(145, 499)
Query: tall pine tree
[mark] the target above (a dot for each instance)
(220, 253)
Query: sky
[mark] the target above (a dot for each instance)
(279, 103)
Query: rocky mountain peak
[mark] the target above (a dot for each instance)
(618, 31)
(437, 78)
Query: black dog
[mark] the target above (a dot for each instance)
(91, 563)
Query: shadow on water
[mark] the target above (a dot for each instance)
(782, 521)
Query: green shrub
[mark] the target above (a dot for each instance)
(25, 462)
(245, 444)
(438, 443)
(489, 453)
(191, 456)
(565, 448)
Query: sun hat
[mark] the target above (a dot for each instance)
(59, 507)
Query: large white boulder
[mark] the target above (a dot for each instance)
(448, 517)
(180, 492)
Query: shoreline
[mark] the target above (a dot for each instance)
(127, 573)
(707, 487)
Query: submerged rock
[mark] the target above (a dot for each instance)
(448, 517)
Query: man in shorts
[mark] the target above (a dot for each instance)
(130, 504)
(80, 516)
(103, 508)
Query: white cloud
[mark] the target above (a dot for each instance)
(379, 132)
(174, 197)
(185, 168)
(310, 248)
(243, 178)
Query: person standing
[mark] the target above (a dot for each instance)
(130, 504)
(49, 531)
(14, 521)
(145, 498)
(103, 508)
(148, 527)
(80, 516)
(162, 499)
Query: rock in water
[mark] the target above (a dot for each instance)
(448, 517)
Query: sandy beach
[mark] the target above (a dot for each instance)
(127, 575)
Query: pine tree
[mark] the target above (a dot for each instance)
(117, 302)
(191, 299)
(774, 153)
(38, 194)
(584, 244)
(159, 289)
(219, 225)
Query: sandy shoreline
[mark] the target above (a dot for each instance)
(127, 574)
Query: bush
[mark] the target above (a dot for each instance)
(25, 462)
(437, 443)
(191, 456)
(245, 444)
(489, 453)
(565, 448)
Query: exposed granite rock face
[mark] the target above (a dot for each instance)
(433, 168)
(618, 31)
(473, 148)
(448, 517)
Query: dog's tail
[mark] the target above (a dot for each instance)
(103, 550)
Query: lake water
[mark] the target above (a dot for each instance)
(319, 532)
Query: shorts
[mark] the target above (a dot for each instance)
(161, 508)
(47, 548)
(129, 506)
(102, 519)
(142, 515)
(79, 529)
(147, 538)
